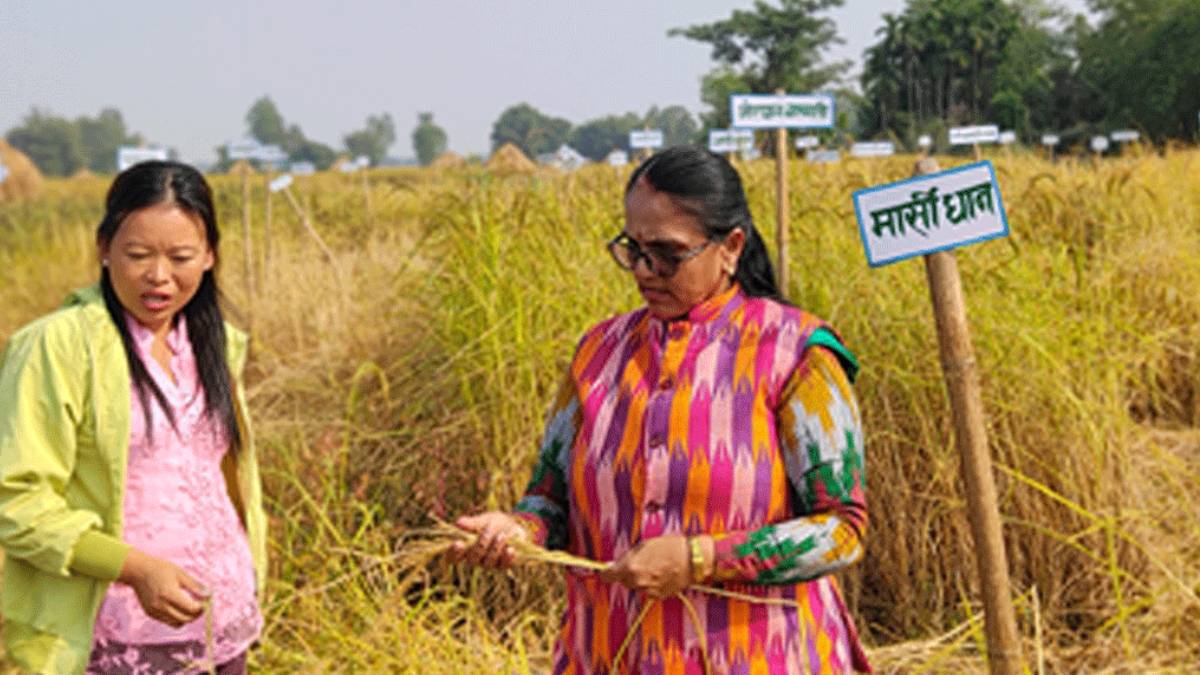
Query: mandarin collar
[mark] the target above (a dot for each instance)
(711, 314)
(177, 337)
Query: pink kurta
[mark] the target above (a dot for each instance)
(177, 508)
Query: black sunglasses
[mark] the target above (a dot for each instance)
(661, 261)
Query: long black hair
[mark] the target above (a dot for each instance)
(148, 184)
(707, 186)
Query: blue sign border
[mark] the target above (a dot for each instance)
(832, 110)
(862, 229)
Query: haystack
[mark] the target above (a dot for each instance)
(23, 178)
(241, 166)
(82, 175)
(448, 160)
(509, 159)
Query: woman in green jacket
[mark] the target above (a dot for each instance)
(130, 503)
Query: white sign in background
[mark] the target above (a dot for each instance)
(1125, 136)
(1050, 139)
(823, 156)
(804, 142)
(1008, 137)
(876, 149)
(128, 156)
(987, 133)
(1099, 143)
(246, 148)
(280, 183)
(930, 213)
(650, 138)
(776, 111)
(729, 140)
(618, 158)
(303, 168)
(925, 141)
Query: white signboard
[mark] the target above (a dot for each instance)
(1099, 143)
(729, 140)
(618, 158)
(751, 153)
(823, 156)
(650, 138)
(362, 161)
(280, 183)
(925, 141)
(880, 149)
(988, 133)
(3, 172)
(930, 213)
(804, 142)
(127, 156)
(773, 111)
(246, 148)
(1125, 135)
(1050, 139)
(347, 167)
(303, 168)
(1008, 137)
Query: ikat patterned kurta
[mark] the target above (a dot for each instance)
(736, 421)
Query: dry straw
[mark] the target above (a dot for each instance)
(24, 180)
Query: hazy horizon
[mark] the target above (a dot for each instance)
(184, 76)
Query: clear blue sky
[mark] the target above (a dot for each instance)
(183, 74)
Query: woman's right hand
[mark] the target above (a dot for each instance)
(166, 592)
(495, 530)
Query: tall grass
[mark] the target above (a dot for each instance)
(411, 384)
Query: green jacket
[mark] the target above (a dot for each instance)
(64, 445)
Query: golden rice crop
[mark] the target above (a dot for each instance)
(410, 385)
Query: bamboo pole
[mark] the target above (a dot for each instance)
(781, 205)
(247, 244)
(966, 401)
(308, 227)
(266, 266)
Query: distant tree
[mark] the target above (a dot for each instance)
(530, 130)
(765, 48)
(1142, 65)
(51, 142)
(677, 124)
(428, 139)
(266, 123)
(373, 139)
(319, 154)
(596, 138)
(101, 137)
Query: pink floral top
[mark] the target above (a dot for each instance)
(177, 508)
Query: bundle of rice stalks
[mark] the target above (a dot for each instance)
(510, 159)
(449, 160)
(82, 175)
(23, 178)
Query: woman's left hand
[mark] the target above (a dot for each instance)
(659, 567)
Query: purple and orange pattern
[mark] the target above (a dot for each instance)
(737, 421)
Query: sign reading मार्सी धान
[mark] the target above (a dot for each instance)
(128, 156)
(930, 213)
(781, 111)
(730, 140)
(647, 139)
(987, 133)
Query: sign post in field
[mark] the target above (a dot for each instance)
(1050, 141)
(729, 141)
(929, 215)
(781, 111)
(646, 140)
(973, 136)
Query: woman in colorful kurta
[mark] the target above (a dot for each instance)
(710, 437)
(130, 504)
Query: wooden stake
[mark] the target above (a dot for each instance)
(309, 228)
(266, 267)
(247, 244)
(966, 402)
(781, 205)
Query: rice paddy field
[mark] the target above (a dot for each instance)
(403, 379)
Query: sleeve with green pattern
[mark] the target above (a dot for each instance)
(544, 507)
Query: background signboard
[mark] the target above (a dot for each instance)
(930, 213)
(128, 156)
(1125, 136)
(1008, 137)
(925, 141)
(986, 133)
(650, 138)
(618, 158)
(303, 168)
(823, 156)
(1050, 139)
(280, 183)
(876, 149)
(729, 140)
(246, 148)
(1099, 143)
(776, 111)
(805, 142)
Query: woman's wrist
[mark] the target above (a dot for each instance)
(701, 558)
